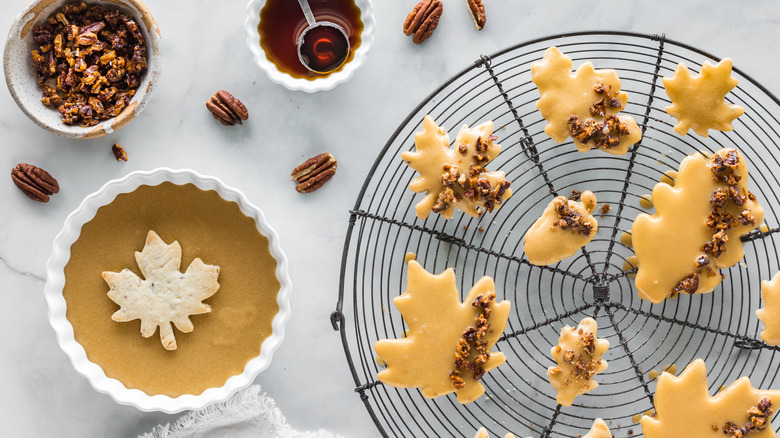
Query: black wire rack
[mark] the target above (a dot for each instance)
(719, 327)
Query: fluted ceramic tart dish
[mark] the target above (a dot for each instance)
(227, 347)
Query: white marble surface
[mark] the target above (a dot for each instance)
(41, 395)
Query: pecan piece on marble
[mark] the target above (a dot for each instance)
(477, 10)
(423, 19)
(314, 172)
(227, 109)
(34, 182)
(119, 152)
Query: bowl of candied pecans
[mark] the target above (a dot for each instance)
(83, 69)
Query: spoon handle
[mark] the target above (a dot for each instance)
(307, 12)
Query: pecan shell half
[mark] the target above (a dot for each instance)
(314, 173)
(423, 19)
(477, 10)
(227, 109)
(34, 182)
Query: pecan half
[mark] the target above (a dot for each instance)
(119, 152)
(34, 182)
(423, 19)
(227, 109)
(314, 173)
(477, 10)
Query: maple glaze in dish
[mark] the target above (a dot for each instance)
(282, 22)
(206, 226)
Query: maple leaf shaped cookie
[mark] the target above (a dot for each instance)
(696, 228)
(578, 355)
(165, 295)
(770, 314)
(599, 430)
(684, 407)
(698, 102)
(437, 322)
(456, 178)
(583, 105)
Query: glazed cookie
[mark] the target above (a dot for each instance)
(165, 296)
(456, 177)
(698, 101)
(684, 407)
(578, 355)
(565, 226)
(701, 219)
(583, 105)
(447, 347)
(770, 314)
(599, 430)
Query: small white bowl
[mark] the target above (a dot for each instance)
(21, 76)
(55, 282)
(321, 84)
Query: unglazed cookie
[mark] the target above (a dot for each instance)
(447, 345)
(599, 430)
(770, 314)
(583, 105)
(165, 296)
(578, 355)
(684, 407)
(698, 101)
(456, 177)
(564, 227)
(696, 227)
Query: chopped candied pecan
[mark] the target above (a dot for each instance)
(568, 356)
(720, 219)
(605, 134)
(456, 380)
(688, 284)
(575, 195)
(719, 197)
(588, 343)
(746, 217)
(702, 260)
(604, 209)
(736, 196)
(757, 420)
(481, 146)
(83, 49)
(463, 149)
(752, 197)
(479, 373)
(570, 218)
(717, 245)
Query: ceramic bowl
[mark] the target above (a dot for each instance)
(20, 73)
(55, 282)
(321, 84)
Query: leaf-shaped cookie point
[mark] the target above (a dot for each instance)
(671, 244)
(456, 177)
(578, 355)
(564, 95)
(599, 430)
(436, 321)
(699, 101)
(684, 407)
(483, 433)
(770, 314)
(165, 295)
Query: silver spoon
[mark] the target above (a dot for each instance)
(340, 35)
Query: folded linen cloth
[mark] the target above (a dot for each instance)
(248, 413)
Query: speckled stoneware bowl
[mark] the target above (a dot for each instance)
(55, 282)
(20, 74)
(321, 84)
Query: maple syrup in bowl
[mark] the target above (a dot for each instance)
(273, 28)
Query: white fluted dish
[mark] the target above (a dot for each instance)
(55, 282)
(21, 76)
(320, 84)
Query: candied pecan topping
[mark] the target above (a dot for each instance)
(583, 364)
(717, 245)
(720, 219)
(604, 209)
(758, 417)
(472, 338)
(88, 62)
(600, 107)
(702, 260)
(570, 218)
(605, 134)
(719, 197)
(688, 284)
(746, 217)
(576, 195)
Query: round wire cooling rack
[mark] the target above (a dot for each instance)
(719, 327)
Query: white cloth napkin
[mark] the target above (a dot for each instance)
(248, 413)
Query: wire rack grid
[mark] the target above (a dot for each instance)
(719, 327)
